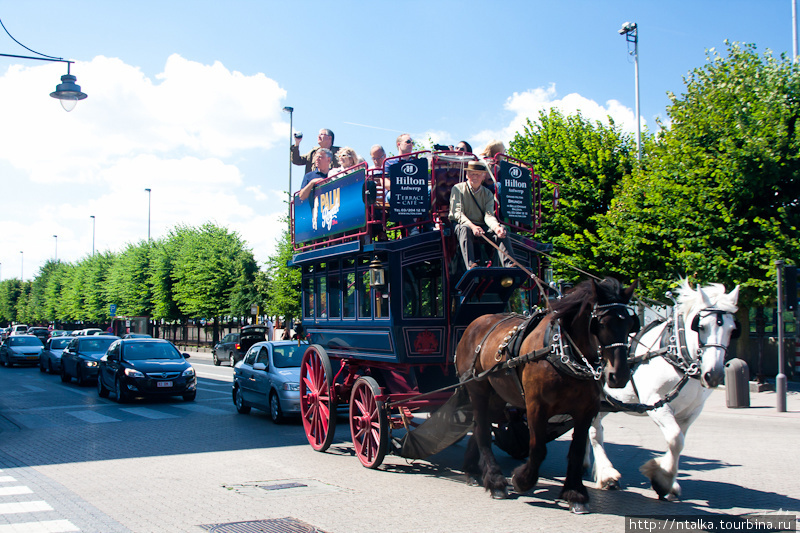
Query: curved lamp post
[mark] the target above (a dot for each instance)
(290, 110)
(631, 32)
(67, 92)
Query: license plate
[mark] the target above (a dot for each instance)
(164, 384)
(33, 357)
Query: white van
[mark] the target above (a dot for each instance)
(19, 329)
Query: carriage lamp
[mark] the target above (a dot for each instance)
(376, 273)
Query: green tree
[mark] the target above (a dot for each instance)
(719, 199)
(283, 282)
(129, 281)
(585, 161)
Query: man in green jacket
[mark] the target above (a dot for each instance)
(472, 210)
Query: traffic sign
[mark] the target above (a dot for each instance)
(112, 309)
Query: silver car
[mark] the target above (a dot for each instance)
(21, 350)
(50, 360)
(268, 378)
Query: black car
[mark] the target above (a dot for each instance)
(21, 350)
(40, 333)
(145, 367)
(81, 356)
(233, 346)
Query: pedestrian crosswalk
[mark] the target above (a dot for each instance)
(32, 515)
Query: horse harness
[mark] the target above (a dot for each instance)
(672, 348)
(555, 350)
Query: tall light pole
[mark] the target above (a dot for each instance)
(56, 256)
(21, 265)
(290, 110)
(631, 32)
(93, 221)
(148, 214)
(794, 30)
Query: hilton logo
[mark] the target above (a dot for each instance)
(409, 169)
(515, 172)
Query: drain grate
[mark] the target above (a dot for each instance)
(275, 525)
(282, 486)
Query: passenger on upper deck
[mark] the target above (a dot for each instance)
(404, 147)
(494, 148)
(325, 140)
(347, 158)
(378, 155)
(464, 146)
(472, 209)
(322, 161)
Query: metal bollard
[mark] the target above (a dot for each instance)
(737, 384)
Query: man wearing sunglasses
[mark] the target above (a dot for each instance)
(324, 140)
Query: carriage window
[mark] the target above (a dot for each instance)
(364, 296)
(350, 295)
(335, 294)
(422, 290)
(322, 297)
(518, 302)
(308, 297)
(381, 295)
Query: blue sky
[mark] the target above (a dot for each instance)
(185, 97)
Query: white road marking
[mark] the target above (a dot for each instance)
(12, 491)
(148, 413)
(6, 479)
(24, 507)
(92, 417)
(45, 526)
(202, 409)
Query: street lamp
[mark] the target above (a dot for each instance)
(631, 32)
(56, 238)
(148, 214)
(21, 265)
(290, 110)
(67, 92)
(93, 222)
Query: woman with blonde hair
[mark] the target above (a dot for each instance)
(347, 158)
(493, 149)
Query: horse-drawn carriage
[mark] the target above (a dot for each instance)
(386, 296)
(386, 300)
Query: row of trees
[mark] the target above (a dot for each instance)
(715, 198)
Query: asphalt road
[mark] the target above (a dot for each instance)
(72, 461)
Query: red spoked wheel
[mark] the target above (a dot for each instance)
(317, 400)
(369, 422)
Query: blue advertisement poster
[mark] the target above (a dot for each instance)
(333, 207)
(410, 188)
(515, 194)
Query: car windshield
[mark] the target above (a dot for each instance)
(97, 344)
(59, 344)
(136, 351)
(288, 356)
(24, 341)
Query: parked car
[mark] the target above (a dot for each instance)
(4, 333)
(269, 379)
(50, 360)
(87, 331)
(137, 336)
(21, 350)
(81, 356)
(60, 333)
(41, 333)
(19, 329)
(145, 367)
(233, 346)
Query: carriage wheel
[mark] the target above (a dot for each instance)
(317, 400)
(369, 425)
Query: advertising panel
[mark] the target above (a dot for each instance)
(333, 207)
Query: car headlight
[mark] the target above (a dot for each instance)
(188, 373)
(131, 373)
(291, 386)
(90, 363)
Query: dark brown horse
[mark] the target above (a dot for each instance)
(589, 331)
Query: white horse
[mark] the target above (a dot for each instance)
(674, 371)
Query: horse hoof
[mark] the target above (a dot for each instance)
(578, 508)
(500, 494)
(610, 484)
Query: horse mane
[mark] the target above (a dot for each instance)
(583, 297)
(690, 299)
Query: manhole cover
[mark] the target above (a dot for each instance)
(275, 525)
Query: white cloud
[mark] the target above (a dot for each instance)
(529, 103)
(180, 133)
